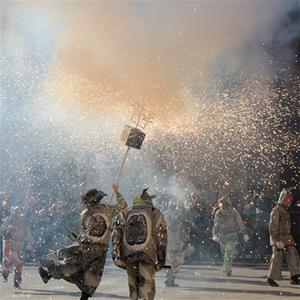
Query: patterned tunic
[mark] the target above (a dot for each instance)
(280, 226)
(83, 262)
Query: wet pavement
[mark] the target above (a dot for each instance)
(195, 282)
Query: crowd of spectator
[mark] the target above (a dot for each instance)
(48, 222)
(50, 219)
(254, 208)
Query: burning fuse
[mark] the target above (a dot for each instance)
(132, 137)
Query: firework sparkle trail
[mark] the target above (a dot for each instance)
(68, 78)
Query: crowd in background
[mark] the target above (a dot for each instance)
(254, 208)
(48, 222)
(50, 219)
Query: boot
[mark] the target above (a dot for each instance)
(17, 284)
(44, 274)
(295, 279)
(227, 273)
(84, 296)
(171, 284)
(272, 282)
(170, 281)
(17, 280)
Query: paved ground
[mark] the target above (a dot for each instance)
(196, 282)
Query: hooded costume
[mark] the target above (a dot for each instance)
(282, 241)
(139, 245)
(227, 226)
(83, 262)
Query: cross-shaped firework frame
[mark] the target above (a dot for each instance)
(140, 117)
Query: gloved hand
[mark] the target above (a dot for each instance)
(84, 239)
(117, 260)
(115, 188)
(158, 266)
(246, 237)
(280, 245)
(120, 263)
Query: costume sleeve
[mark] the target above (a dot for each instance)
(162, 240)
(121, 205)
(117, 237)
(216, 227)
(274, 225)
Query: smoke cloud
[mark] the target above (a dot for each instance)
(71, 72)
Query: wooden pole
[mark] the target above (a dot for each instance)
(123, 162)
(119, 173)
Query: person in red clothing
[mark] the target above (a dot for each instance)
(16, 233)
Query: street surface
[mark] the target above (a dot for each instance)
(196, 282)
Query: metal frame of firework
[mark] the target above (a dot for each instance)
(133, 136)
